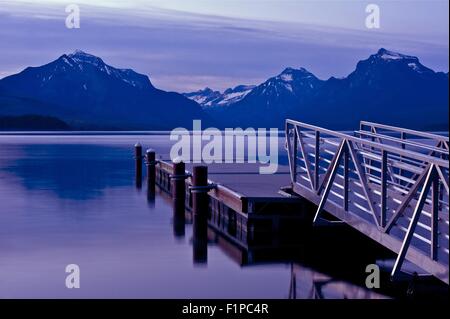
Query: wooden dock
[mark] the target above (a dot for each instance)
(244, 200)
(388, 183)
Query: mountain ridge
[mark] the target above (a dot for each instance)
(386, 87)
(82, 88)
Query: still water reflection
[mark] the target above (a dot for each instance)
(72, 199)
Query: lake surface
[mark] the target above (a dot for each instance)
(71, 199)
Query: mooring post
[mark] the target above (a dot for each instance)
(199, 248)
(178, 186)
(150, 162)
(200, 207)
(200, 190)
(178, 179)
(138, 162)
(179, 218)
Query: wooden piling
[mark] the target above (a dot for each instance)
(150, 161)
(200, 199)
(179, 218)
(199, 248)
(138, 164)
(178, 180)
(200, 207)
(178, 188)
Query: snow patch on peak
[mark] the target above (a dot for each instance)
(286, 77)
(290, 74)
(81, 60)
(209, 98)
(83, 57)
(81, 54)
(66, 60)
(234, 95)
(391, 55)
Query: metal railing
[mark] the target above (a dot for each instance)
(395, 195)
(424, 142)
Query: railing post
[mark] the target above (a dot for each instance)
(384, 168)
(372, 149)
(435, 217)
(346, 177)
(138, 164)
(317, 161)
(403, 137)
(294, 155)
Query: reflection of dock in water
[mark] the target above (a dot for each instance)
(307, 283)
(336, 272)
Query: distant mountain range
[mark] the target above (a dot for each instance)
(387, 87)
(209, 99)
(83, 91)
(86, 92)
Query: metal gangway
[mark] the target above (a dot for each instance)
(389, 183)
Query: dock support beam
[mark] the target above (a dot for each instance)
(138, 164)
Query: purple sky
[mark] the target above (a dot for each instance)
(187, 45)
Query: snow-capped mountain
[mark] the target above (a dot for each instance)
(204, 97)
(289, 84)
(128, 76)
(387, 56)
(387, 87)
(272, 101)
(234, 95)
(208, 98)
(387, 66)
(82, 88)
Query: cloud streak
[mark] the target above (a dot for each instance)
(187, 51)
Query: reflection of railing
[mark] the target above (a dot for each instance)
(395, 195)
(306, 283)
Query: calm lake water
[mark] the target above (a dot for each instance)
(72, 200)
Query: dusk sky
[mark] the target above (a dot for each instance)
(185, 45)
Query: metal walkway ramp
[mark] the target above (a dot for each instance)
(389, 183)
